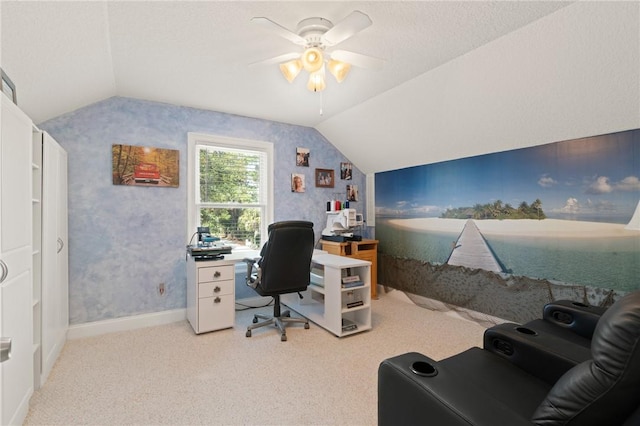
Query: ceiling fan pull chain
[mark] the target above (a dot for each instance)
(321, 102)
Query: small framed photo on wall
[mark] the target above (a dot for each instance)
(352, 192)
(302, 157)
(346, 171)
(324, 178)
(297, 182)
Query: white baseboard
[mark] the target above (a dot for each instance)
(97, 328)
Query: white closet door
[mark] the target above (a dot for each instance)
(63, 252)
(55, 292)
(16, 300)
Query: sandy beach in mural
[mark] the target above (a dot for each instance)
(547, 228)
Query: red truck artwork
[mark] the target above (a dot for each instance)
(146, 173)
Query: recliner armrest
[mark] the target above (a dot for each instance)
(537, 352)
(414, 389)
(575, 316)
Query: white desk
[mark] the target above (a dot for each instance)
(211, 290)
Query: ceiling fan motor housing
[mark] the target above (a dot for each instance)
(312, 30)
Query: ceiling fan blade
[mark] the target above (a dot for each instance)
(277, 60)
(355, 22)
(269, 25)
(362, 61)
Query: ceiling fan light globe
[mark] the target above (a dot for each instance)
(312, 59)
(291, 69)
(316, 82)
(339, 69)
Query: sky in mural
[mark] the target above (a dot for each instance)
(590, 179)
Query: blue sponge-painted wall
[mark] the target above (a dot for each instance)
(125, 240)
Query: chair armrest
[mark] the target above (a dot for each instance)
(537, 352)
(252, 278)
(414, 389)
(577, 317)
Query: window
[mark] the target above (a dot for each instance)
(230, 188)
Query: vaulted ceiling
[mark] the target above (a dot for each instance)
(66, 55)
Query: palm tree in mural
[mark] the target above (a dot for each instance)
(508, 210)
(537, 206)
(478, 211)
(496, 210)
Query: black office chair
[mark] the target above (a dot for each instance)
(283, 267)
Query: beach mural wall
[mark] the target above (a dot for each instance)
(504, 233)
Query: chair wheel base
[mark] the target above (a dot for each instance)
(283, 337)
(248, 334)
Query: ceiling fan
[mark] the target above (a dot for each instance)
(316, 35)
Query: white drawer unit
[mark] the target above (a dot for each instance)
(210, 295)
(215, 273)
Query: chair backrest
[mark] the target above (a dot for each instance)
(286, 257)
(605, 389)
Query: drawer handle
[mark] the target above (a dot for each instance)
(216, 274)
(216, 300)
(216, 290)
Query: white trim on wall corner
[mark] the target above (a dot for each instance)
(97, 328)
(371, 199)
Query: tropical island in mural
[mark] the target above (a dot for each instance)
(497, 210)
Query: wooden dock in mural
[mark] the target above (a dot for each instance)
(471, 250)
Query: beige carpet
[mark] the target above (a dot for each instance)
(168, 375)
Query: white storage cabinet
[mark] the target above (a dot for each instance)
(16, 280)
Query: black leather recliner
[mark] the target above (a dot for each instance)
(547, 347)
(478, 387)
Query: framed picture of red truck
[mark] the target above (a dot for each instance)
(145, 166)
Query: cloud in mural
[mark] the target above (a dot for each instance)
(546, 181)
(407, 208)
(571, 206)
(630, 183)
(601, 206)
(600, 186)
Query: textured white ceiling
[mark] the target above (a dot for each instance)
(460, 78)
(66, 55)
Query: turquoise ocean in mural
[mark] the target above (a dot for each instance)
(612, 263)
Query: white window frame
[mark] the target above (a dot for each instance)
(198, 139)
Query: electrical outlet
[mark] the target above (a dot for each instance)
(161, 289)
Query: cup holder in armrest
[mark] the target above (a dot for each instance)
(579, 305)
(525, 330)
(423, 369)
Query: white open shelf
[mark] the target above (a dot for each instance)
(326, 305)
